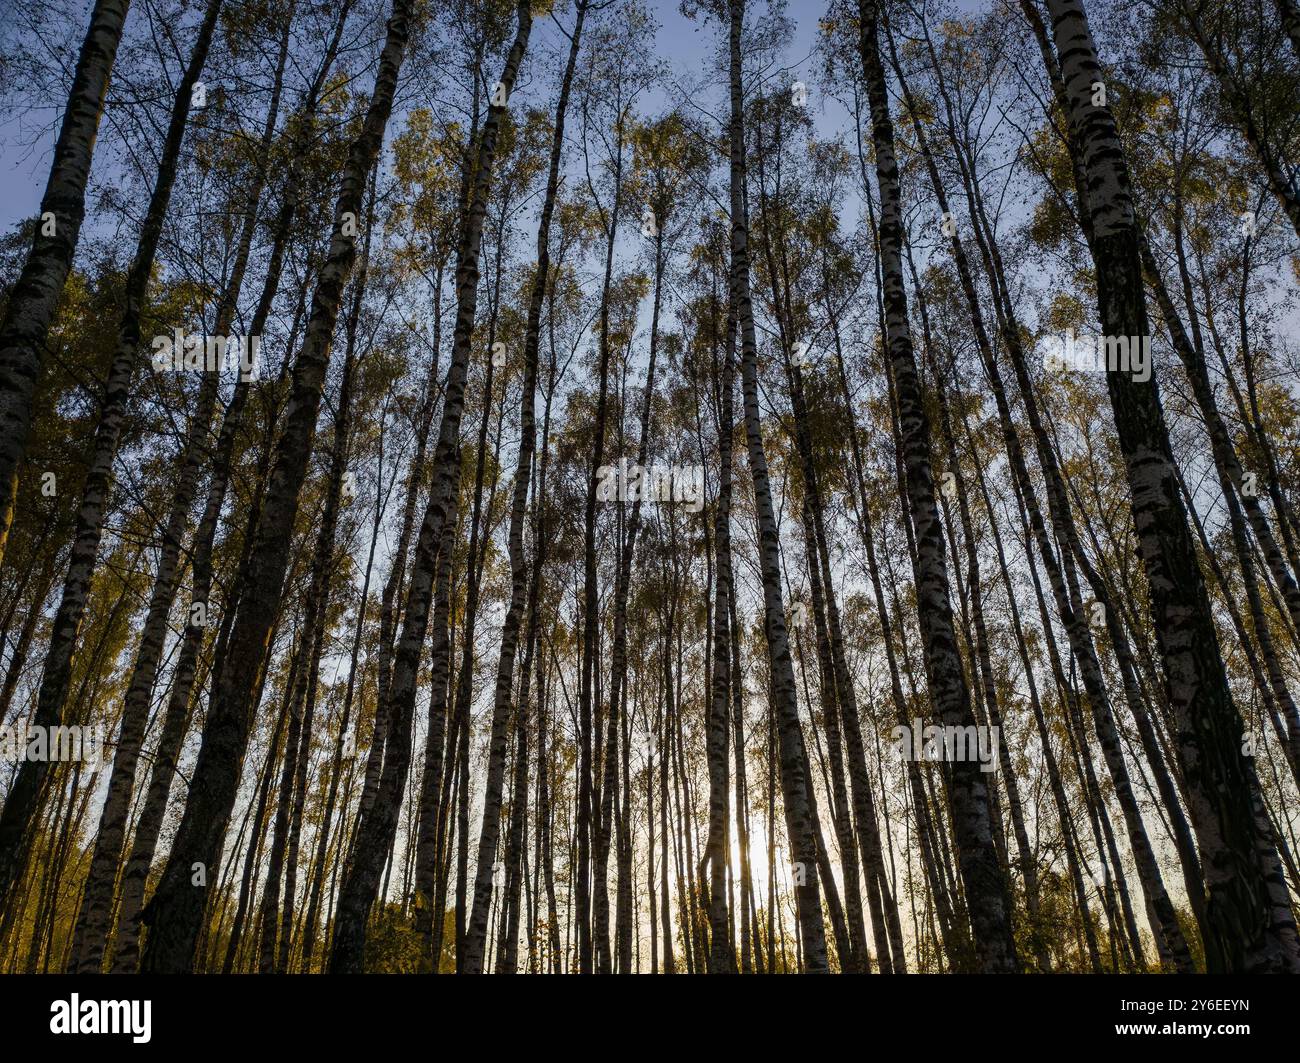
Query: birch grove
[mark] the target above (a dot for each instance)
(619, 486)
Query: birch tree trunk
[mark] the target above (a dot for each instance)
(795, 784)
(593, 821)
(722, 959)
(35, 296)
(987, 896)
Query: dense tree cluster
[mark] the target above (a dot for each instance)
(485, 487)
